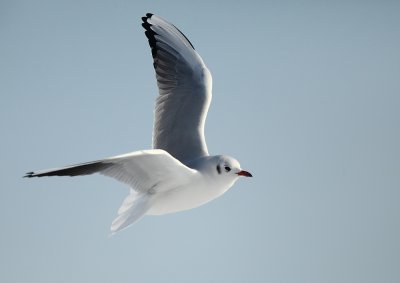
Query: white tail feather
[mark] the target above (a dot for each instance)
(128, 201)
(134, 207)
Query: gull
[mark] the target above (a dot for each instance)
(178, 173)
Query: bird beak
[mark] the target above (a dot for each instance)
(244, 173)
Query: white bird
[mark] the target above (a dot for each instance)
(178, 174)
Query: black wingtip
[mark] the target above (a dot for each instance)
(148, 16)
(150, 34)
(146, 25)
(28, 175)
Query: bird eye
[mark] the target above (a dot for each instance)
(227, 169)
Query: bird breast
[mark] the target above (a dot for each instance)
(186, 197)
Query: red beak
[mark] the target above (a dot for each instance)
(244, 173)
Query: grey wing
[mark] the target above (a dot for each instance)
(184, 84)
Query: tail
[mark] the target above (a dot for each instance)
(133, 208)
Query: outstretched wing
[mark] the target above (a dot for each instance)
(184, 84)
(146, 171)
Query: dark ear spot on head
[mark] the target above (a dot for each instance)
(219, 169)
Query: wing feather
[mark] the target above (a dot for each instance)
(184, 84)
(146, 171)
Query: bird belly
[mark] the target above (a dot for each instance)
(184, 198)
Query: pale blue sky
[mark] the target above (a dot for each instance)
(306, 97)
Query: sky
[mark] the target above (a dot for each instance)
(306, 95)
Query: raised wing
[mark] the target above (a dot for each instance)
(184, 84)
(146, 171)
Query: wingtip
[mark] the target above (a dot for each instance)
(150, 34)
(148, 16)
(146, 25)
(28, 175)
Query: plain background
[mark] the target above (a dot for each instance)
(306, 97)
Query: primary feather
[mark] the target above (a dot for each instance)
(184, 84)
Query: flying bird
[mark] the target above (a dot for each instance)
(178, 173)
